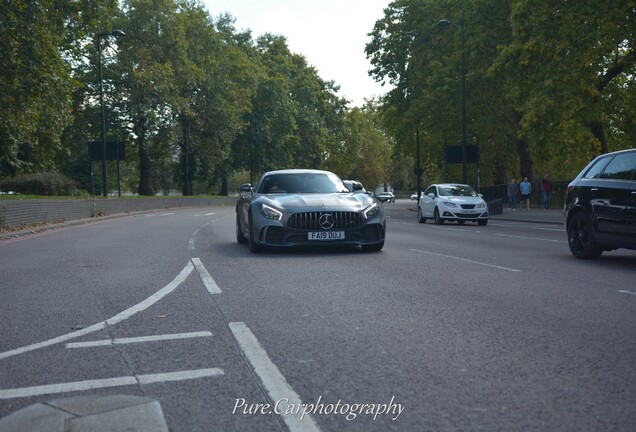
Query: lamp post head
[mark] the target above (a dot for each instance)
(116, 33)
(446, 23)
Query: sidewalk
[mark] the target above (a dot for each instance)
(534, 215)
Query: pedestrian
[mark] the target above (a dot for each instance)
(548, 188)
(526, 190)
(513, 189)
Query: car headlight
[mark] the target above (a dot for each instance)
(371, 211)
(271, 213)
(481, 204)
(449, 204)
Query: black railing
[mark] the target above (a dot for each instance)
(491, 193)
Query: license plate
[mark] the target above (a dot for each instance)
(326, 235)
(467, 212)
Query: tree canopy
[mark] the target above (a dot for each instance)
(200, 104)
(195, 100)
(549, 84)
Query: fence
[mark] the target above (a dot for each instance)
(491, 193)
(15, 213)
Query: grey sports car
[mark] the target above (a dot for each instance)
(303, 207)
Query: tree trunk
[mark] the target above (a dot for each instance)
(186, 172)
(145, 186)
(598, 130)
(526, 166)
(185, 157)
(223, 191)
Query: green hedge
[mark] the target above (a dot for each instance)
(47, 183)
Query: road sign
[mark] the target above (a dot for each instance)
(115, 150)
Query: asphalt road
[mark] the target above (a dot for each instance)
(448, 328)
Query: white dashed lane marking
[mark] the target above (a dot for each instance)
(467, 260)
(140, 339)
(109, 382)
(272, 379)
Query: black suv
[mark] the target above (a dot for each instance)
(600, 206)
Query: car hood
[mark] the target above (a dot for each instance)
(462, 200)
(320, 202)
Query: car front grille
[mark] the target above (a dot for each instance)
(310, 221)
(468, 206)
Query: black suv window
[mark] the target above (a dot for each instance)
(621, 167)
(597, 168)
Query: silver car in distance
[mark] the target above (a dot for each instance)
(302, 207)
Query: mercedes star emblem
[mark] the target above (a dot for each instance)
(326, 221)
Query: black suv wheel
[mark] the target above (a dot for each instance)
(581, 237)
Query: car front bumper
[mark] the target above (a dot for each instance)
(449, 214)
(280, 236)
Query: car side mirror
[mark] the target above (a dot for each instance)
(432, 195)
(246, 187)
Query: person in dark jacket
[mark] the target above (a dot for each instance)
(548, 189)
(513, 189)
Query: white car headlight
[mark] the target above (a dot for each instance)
(271, 213)
(371, 211)
(449, 204)
(481, 204)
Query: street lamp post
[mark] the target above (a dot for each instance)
(187, 185)
(418, 166)
(187, 125)
(446, 23)
(101, 102)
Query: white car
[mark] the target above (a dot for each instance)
(386, 197)
(452, 202)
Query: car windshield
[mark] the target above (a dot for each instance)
(457, 190)
(301, 183)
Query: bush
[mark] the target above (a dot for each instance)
(47, 183)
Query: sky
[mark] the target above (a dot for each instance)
(330, 34)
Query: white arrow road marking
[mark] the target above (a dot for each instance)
(145, 304)
(196, 232)
(209, 283)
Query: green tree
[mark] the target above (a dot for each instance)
(548, 83)
(571, 64)
(143, 80)
(365, 152)
(296, 116)
(423, 63)
(36, 42)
